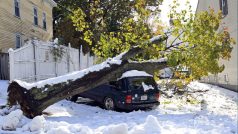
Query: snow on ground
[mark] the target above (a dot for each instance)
(3, 92)
(214, 111)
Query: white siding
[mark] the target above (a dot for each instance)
(228, 77)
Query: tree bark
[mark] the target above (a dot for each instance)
(35, 100)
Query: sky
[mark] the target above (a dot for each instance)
(165, 8)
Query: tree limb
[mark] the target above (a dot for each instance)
(137, 50)
(173, 46)
(36, 99)
(176, 38)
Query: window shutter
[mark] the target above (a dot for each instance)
(225, 7)
(35, 16)
(17, 8)
(18, 40)
(44, 21)
(220, 3)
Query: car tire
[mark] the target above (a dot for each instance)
(72, 98)
(109, 103)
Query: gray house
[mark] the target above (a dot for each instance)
(228, 78)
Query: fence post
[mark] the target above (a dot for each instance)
(55, 61)
(11, 63)
(80, 57)
(34, 59)
(88, 60)
(68, 57)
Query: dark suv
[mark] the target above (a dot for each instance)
(128, 93)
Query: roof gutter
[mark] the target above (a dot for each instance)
(51, 2)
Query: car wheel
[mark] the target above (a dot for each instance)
(72, 98)
(109, 103)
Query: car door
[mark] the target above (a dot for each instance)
(92, 93)
(118, 91)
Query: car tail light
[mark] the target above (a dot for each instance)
(157, 96)
(128, 98)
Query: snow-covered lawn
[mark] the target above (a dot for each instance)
(3, 92)
(214, 111)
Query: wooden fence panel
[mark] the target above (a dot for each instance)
(83, 60)
(22, 63)
(45, 64)
(34, 61)
(74, 59)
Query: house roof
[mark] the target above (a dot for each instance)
(51, 2)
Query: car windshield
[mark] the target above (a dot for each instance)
(141, 83)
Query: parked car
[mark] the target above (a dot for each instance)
(129, 93)
(166, 73)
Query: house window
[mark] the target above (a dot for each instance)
(35, 16)
(18, 40)
(17, 7)
(224, 7)
(44, 20)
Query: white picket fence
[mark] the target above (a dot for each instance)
(35, 61)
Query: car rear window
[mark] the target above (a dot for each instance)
(137, 83)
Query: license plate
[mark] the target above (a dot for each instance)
(143, 97)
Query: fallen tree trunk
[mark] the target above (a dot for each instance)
(36, 97)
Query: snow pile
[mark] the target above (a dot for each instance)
(116, 129)
(81, 129)
(7, 110)
(62, 127)
(59, 130)
(195, 86)
(133, 73)
(37, 123)
(147, 87)
(11, 120)
(72, 76)
(151, 126)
